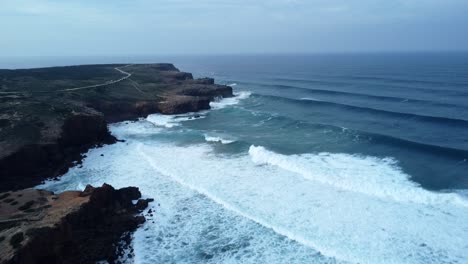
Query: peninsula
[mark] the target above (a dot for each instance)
(49, 117)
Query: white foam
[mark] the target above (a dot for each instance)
(187, 226)
(340, 223)
(225, 102)
(162, 120)
(232, 84)
(379, 177)
(228, 206)
(219, 139)
(140, 127)
(236, 210)
(310, 99)
(170, 121)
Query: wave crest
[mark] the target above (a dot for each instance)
(221, 140)
(225, 102)
(170, 121)
(372, 176)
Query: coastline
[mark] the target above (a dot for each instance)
(64, 124)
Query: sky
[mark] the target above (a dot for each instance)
(155, 27)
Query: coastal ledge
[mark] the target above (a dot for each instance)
(37, 226)
(49, 117)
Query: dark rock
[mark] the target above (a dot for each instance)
(85, 129)
(87, 229)
(129, 193)
(205, 80)
(143, 203)
(32, 163)
(184, 104)
(210, 91)
(16, 240)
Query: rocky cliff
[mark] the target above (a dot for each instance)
(37, 226)
(50, 116)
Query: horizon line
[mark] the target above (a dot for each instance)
(242, 53)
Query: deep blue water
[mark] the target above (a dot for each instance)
(358, 158)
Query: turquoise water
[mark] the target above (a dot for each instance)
(318, 159)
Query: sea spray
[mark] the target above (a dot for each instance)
(225, 102)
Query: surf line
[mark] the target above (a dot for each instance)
(278, 230)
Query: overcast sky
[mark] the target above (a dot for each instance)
(138, 27)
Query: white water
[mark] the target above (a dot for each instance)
(224, 102)
(170, 121)
(214, 138)
(263, 207)
(358, 174)
(310, 99)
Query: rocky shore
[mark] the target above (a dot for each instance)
(49, 117)
(37, 226)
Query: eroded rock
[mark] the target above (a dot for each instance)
(72, 227)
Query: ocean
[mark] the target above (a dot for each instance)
(337, 158)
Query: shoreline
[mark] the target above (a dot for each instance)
(64, 124)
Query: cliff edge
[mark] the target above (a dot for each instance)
(50, 116)
(37, 226)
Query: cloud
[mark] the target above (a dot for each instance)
(204, 26)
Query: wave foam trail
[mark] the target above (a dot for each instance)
(310, 99)
(355, 226)
(379, 177)
(170, 121)
(225, 102)
(228, 206)
(233, 210)
(221, 140)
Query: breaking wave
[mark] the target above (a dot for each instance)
(225, 102)
(372, 176)
(219, 139)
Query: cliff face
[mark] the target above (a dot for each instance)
(73, 227)
(50, 116)
(30, 162)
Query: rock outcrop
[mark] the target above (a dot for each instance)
(37, 226)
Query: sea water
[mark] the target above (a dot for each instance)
(317, 159)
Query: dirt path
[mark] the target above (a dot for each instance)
(127, 75)
(119, 69)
